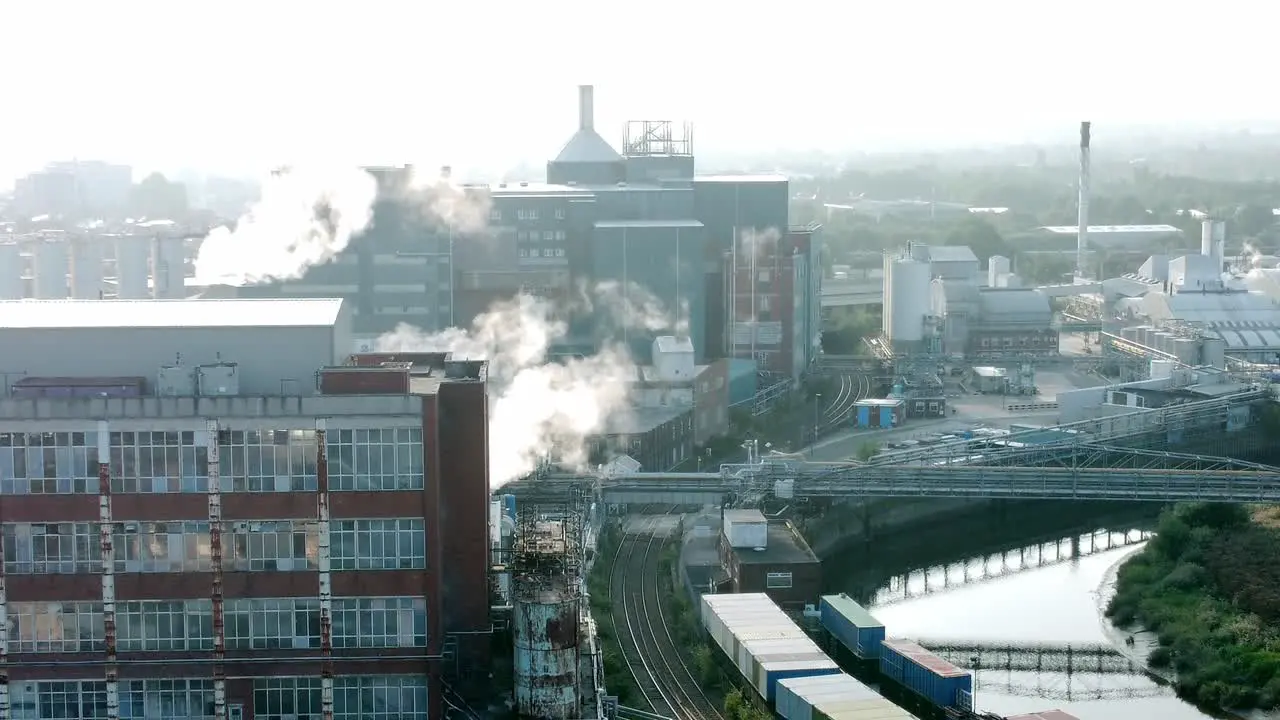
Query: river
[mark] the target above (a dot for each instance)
(1027, 595)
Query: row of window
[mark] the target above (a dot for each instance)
(176, 462)
(258, 546)
(355, 697)
(536, 252)
(495, 215)
(250, 623)
(534, 236)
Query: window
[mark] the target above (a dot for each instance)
(777, 580)
(43, 463)
(51, 548)
(268, 460)
(179, 698)
(162, 546)
(531, 214)
(521, 236)
(278, 698)
(56, 627)
(159, 462)
(375, 459)
(273, 545)
(393, 544)
(165, 625)
(379, 622)
(534, 252)
(559, 252)
(495, 215)
(765, 276)
(548, 235)
(560, 235)
(559, 213)
(379, 697)
(73, 700)
(523, 252)
(272, 623)
(763, 303)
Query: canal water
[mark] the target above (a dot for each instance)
(1000, 601)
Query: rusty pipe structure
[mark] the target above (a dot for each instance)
(106, 540)
(214, 471)
(324, 563)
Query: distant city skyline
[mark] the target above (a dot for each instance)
(232, 88)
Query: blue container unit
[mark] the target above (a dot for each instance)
(762, 642)
(925, 674)
(864, 416)
(851, 624)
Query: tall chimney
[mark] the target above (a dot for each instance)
(1082, 237)
(586, 107)
(1206, 237)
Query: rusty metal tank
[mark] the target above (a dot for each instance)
(546, 616)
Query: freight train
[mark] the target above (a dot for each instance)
(790, 672)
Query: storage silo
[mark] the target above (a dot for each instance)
(50, 260)
(997, 266)
(86, 269)
(1214, 352)
(906, 300)
(11, 286)
(133, 262)
(546, 647)
(168, 264)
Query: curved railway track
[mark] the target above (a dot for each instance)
(852, 389)
(642, 627)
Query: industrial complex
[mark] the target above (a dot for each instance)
(226, 502)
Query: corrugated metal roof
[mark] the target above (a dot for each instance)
(823, 690)
(586, 146)
(1110, 229)
(855, 613)
(266, 312)
(671, 343)
(951, 253)
(924, 658)
(649, 224)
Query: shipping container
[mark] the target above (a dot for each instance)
(851, 624)
(925, 674)
(761, 641)
(386, 380)
(881, 413)
(746, 528)
(1044, 715)
(833, 697)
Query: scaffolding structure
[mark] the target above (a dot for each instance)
(645, 138)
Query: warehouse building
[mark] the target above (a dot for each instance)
(769, 556)
(659, 438)
(208, 514)
(1015, 321)
(673, 380)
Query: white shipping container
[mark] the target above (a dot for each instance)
(746, 528)
(864, 710)
(796, 698)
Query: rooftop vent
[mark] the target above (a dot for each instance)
(463, 369)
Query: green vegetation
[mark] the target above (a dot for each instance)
(845, 328)
(617, 677)
(868, 450)
(1209, 586)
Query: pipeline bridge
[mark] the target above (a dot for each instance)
(1120, 457)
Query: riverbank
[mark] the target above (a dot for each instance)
(1208, 587)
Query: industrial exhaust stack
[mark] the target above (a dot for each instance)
(1082, 238)
(586, 107)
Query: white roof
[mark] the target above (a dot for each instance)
(1111, 229)
(267, 312)
(821, 690)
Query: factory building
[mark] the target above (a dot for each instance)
(1016, 321)
(674, 380)
(768, 556)
(659, 438)
(146, 261)
(1062, 239)
(212, 515)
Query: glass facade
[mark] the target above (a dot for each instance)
(177, 461)
(356, 697)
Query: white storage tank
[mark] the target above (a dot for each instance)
(906, 299)
(11, 271)
(50, 258)
(1214, 352)
(86, 269)
(133, 263)
(218, 379)
(746, 528)
(997, 266)
(169, 274)
(673, 358)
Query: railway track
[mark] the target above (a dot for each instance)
(642, 628)
(852, 389)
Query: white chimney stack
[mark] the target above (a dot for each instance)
(586, 107)
(1082, 237)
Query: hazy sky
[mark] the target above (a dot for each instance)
(236, 85)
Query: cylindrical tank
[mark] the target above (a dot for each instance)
(133, 262)
(997, 265)
(1214, 352)
(168, 264)
(50, 259)
(906, 300)
(546, 648)
(86, 269)
(11, 271)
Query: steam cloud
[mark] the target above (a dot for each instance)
(536, 406)
(307, 216)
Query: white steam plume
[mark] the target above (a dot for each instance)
(536, 407)
(307, 216)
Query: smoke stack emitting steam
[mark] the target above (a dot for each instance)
(1082, 237)
(306, 218)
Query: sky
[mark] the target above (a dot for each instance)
(235, 86)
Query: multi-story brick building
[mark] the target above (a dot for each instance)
(205, 513)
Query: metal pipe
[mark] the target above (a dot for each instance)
(214, 470)
(1082, 236)
(106, 539)
(323, 563)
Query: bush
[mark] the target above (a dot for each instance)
(1209, 587)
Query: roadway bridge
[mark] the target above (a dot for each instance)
(845, 293)
(1089, 463)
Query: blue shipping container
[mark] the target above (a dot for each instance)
(886, 417)
(864, 417)
(771, 677)
(852, 625)
(926, 674)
